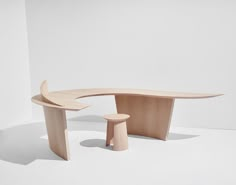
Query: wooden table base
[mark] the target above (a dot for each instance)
(150, 111)
(149, 116)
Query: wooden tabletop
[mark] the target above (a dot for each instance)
(66, 99)
(79, 93)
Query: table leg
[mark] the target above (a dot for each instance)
(149, 116)
(57, 131)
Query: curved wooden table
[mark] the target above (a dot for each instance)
(150, 111)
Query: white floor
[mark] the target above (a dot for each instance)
(189, 157)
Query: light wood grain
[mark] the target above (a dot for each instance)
(38, 99)
(60, 100)
(149, 116)
(44, 93)
(57, 131)
(117, 131)
(120, 139)
(110, 134)
(150, 112)
(116, 117)
(68, 97)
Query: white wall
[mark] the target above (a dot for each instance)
(153, 44)
(14, 70)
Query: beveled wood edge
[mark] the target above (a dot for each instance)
(115, 117)
(62, 100)
(82, 93)
(67, 99)
(72, 95)
(45, 95)
(38, 99)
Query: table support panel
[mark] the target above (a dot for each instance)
(149, 116)
(57, 131)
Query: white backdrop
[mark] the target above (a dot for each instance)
(14, 71)
(153, 44)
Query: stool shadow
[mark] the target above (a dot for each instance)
(100, 143)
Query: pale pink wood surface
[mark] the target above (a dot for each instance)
(57, 131)
(68, 98)
(117, 131)
(149, 116)
(150, 112)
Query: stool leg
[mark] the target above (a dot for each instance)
(110, 133)
(120, 139)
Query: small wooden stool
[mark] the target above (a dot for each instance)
(117, 131)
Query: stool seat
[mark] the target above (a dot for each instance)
(116, 117)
